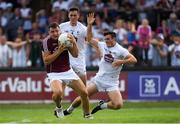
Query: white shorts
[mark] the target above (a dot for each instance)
(79, 70)
(105, 86)
(66, 77)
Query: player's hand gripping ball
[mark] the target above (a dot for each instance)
(63, 39)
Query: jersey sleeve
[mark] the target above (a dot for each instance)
(60, 25)
(44, 45)
(101, 44)
(123, 52)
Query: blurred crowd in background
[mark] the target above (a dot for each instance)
(149, 29)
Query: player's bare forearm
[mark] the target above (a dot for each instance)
(74, 50)
(130, 59)
(90, 21)
(89, 33)
(49, 58)
(90, 39)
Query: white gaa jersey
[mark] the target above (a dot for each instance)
(79, 32)
(106, 71)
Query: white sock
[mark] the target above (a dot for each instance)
(104, 106)
(58, 107)
(70, 109)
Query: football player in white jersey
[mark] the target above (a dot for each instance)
(113, 56)
(78, 30)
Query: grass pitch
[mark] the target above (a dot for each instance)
(140, 112)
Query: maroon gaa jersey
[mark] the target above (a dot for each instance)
(61, 63)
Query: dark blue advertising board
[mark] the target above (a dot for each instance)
(156, 85)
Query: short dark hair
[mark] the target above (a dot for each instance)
(113, 34)
(74, 9)
(53, 25)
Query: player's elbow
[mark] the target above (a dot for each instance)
(75, 56)
(75, 53)
(134, 60)
(131, 59)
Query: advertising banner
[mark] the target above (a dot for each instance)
(163, 85)
(24, 86)
(29, 86)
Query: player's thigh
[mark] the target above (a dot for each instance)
(83, 78)
(81, 72)
(115, 96)
(92, 89)
(78, 86)
(56, 86)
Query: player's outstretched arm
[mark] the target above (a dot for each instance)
(74, 49)
(90, 21)
(93, 42)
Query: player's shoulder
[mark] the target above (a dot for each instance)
(119, 46)
(81, 25)
(46, 42)
(121, 49)
(101, 44)
(46, 39)
(64, 24)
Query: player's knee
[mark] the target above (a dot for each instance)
(58, 94)
(118, 105)
(84, 94)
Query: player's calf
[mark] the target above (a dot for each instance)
(101, 105)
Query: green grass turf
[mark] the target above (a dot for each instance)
(139, 112)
